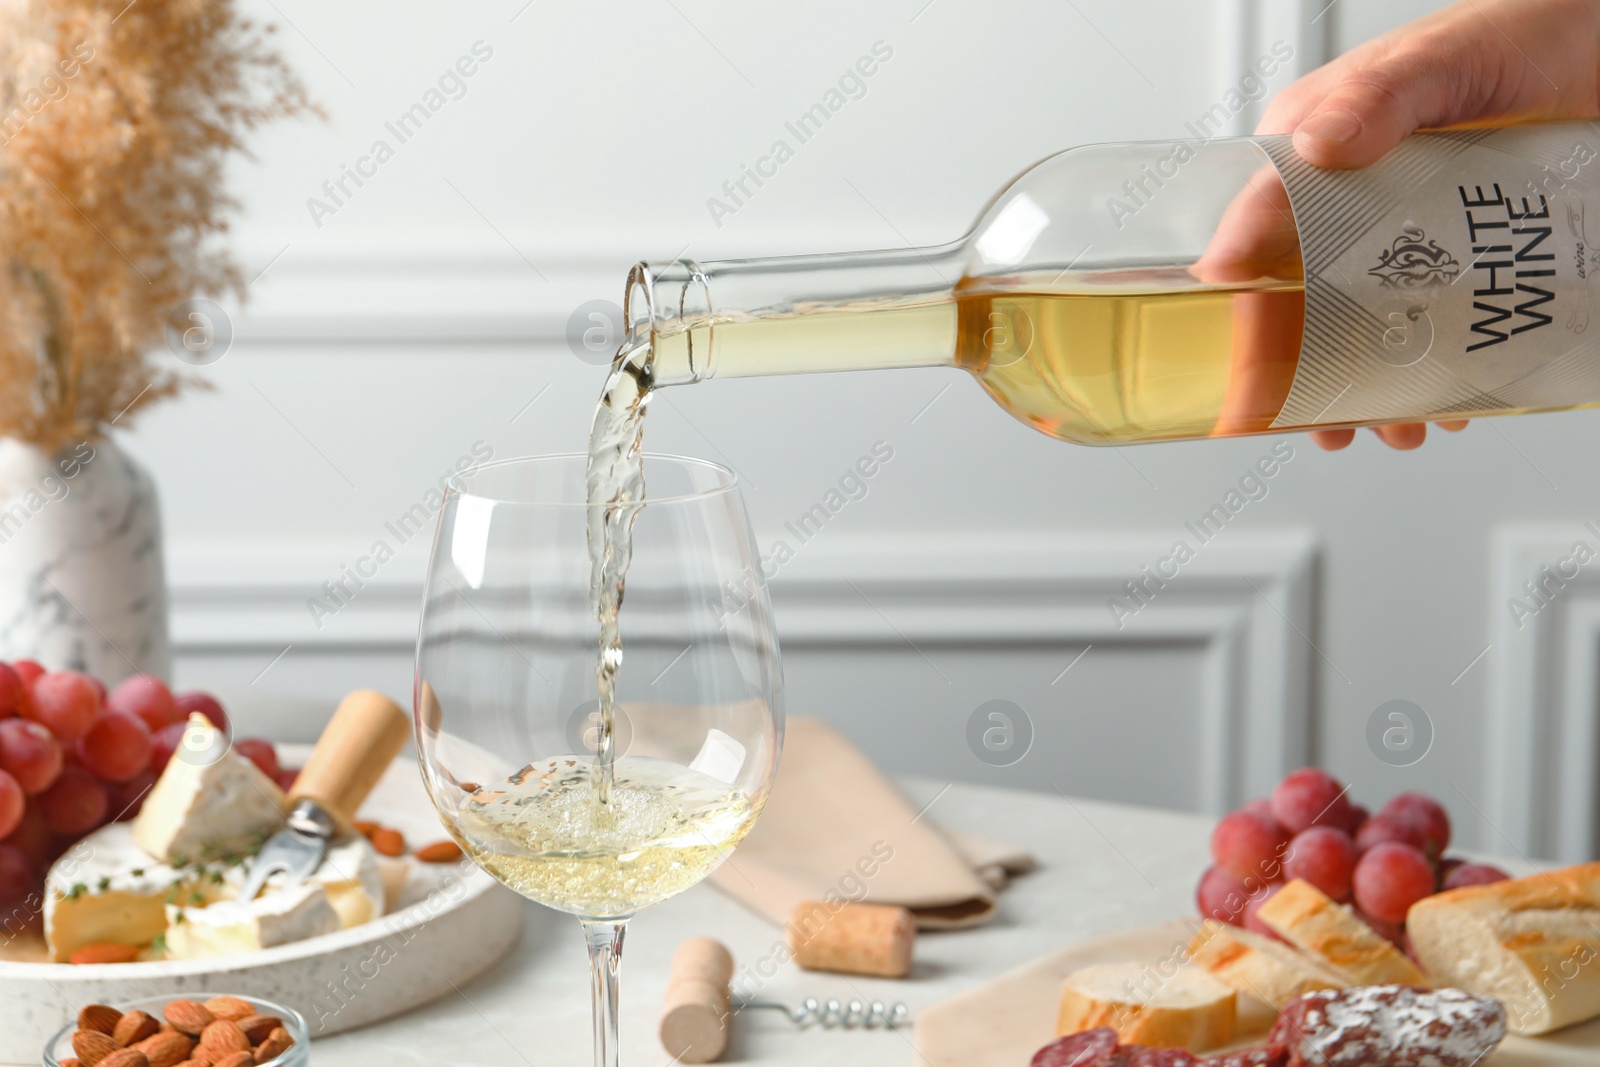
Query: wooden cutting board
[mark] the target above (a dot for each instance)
(1003, 1022)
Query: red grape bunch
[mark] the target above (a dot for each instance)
(1309, 829)
(74, 757)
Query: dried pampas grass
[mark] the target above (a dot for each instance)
(116, 120)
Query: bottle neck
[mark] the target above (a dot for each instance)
(797, 314)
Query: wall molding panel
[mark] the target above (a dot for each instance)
(1247, 601)
(1541, 742)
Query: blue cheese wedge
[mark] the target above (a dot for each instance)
(230, 927)
(209, 801)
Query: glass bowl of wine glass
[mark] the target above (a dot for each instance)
(598, 687)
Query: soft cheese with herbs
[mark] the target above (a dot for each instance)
(168, 883)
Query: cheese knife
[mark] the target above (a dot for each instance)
(366, 733)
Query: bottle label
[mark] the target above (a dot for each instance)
(1451, 278)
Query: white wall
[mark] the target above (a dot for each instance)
(429, 311)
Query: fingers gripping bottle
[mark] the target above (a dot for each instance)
(1167, 290)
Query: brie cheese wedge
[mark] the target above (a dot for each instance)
(229, 927)
(105, 888)
(209, 800)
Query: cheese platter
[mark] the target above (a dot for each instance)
(154, 904)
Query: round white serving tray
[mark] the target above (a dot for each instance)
(451, 923)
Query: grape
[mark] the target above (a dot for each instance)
(1464, 874)
(1249, 846)
(1310, 797)
(99, 688)
(1325, 857)
(30, 754)
(33, 837)
(1391, 932)
(1382, 828)
(261, 753)
(66, 702)
(28, 670)
(1427, 815)
(205, 704)
(124, 799)
(117, 747)
(286, 778)
(1358, 817)
(76, 804)
(1390, 878)
(12, 803)
(17, 876)
(13, 692)
(145, 697)
(1252, 921)
(1221, 896)
(1259, 806)
(165, 742)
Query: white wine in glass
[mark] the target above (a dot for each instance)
(592, 814)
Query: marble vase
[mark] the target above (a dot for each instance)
(82, 581)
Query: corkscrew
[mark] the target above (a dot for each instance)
(700, 1006)
(834, 1013)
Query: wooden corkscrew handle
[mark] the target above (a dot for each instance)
(366, 733)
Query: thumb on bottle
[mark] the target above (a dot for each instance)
(1370, 111)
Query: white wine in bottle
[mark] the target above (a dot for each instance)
(1157, 291)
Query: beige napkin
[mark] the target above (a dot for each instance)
(835, 825)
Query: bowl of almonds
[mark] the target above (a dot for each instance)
(195, 1030)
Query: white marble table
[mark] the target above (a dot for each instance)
(1103, 868)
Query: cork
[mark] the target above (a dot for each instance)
(871, 939)
(694, 1019)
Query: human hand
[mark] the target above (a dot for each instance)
(1477, 62)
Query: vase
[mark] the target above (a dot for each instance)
(82, 580)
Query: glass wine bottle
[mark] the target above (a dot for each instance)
(1165, 290)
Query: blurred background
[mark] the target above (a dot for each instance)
(435, 313)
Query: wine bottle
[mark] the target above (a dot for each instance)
(1151, 291)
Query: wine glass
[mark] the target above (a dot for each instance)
(510, 737)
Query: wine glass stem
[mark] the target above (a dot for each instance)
(605, 964)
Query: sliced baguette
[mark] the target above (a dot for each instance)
(1186, 1008)
(1310, 920)
(1531, 943)
(1266, 974)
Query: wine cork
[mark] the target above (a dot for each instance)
(694, 1019)
(873, 939)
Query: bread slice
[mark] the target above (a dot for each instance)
(1150, 1004)
(1266, 974)
(1531, 943)
(1309, 919)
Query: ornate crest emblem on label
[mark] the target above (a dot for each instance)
(1415, 262)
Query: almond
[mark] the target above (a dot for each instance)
(187, 1017)
(125, 1057)
(439, 852)
(236, 1059)
(92, 1046)
(388, 842)
(166, 1048)
(224, 1035)
(134, 1027)
(366, 827)
(257, 1027)
(70, 1061)
(234, 1008)
(104, 952)
(99, 1017)
(205, 1057)
(275, 1045)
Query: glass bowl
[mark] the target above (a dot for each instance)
(298, 1055)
